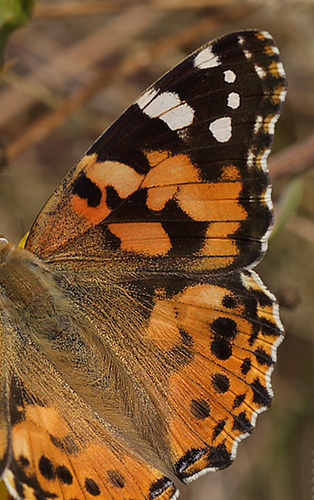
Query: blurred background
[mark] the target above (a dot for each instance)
(71, 70)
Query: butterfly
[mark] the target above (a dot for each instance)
(137, 343)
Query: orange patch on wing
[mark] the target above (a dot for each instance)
(94, 215)
(156, 157)
(162, 328)
(273, 68)
(211, 201)
(230, 173)
(170, 170)
(218, 241)
(145, 238)
(157, 197)
(123, 178)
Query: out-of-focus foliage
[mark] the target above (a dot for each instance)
(13, 14)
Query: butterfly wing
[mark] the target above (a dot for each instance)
(148, 237)
(201, 350)
(182, 173)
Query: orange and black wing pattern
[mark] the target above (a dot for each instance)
(182, 173)
(154, 338)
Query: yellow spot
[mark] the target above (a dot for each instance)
(23, 241)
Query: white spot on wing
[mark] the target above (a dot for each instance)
(271, 124)
(206, 59)
(250, 159)
(258, 123)
(264, 160)
(282, 95)
(221, 129)
(280, 69)
(247, 54)
(233, 100)
(179, 117)
(146, 98)
(266, 35)
(168, 107)
(229, 76)
(260, 71)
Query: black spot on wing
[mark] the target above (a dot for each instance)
(23, 461)
(46, 468)
(158, 487)
(229, 302)
(261, 395)
(219, 457)
(241, 423)
(112, 198)
(87, 190)
(92, 487)
(116, 479)
(246, 366)
(220, 382)
(218, 428)
(200, 408)
(221, 348)
(181, 354)
(224, 327)
(64, 474)
(238, 400)
(262, 357)
(224, 330)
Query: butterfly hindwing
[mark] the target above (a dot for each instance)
(202, 351)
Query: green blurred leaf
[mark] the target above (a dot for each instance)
(13, 14)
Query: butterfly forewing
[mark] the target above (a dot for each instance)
(183, 172)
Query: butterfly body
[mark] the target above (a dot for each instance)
(137, 343)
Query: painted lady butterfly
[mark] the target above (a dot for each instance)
(136, 341)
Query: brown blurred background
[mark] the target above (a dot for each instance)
(71, 71)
